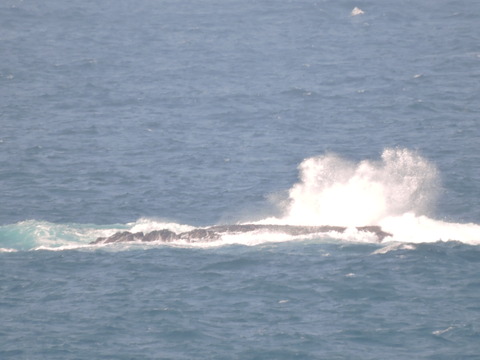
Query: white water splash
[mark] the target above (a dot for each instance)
(335, 191)
(396, 193)
(146, 225)
(419, 229)
(43, 235)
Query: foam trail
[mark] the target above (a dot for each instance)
(43, 235)
(419, 229)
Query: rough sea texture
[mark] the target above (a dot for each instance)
(150, 114)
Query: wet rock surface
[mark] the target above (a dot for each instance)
(214, 233)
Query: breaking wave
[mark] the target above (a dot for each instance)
(397, 192)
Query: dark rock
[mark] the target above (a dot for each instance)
(200, 234)
(124, 236)
(160, 235)
(215, 233)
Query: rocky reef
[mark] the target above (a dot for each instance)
(214, 233)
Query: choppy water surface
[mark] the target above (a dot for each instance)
(145, 115)
(301, 300)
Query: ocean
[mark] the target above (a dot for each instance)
(137, 116)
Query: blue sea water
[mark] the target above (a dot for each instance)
(151, 114)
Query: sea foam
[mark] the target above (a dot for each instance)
(397, 192)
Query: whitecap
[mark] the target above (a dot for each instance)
(7, 250)
(441, 332)
(357, 11)
(394, 247)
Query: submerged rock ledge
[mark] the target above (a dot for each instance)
(213, 233)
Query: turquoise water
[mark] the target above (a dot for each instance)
(144, 115)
